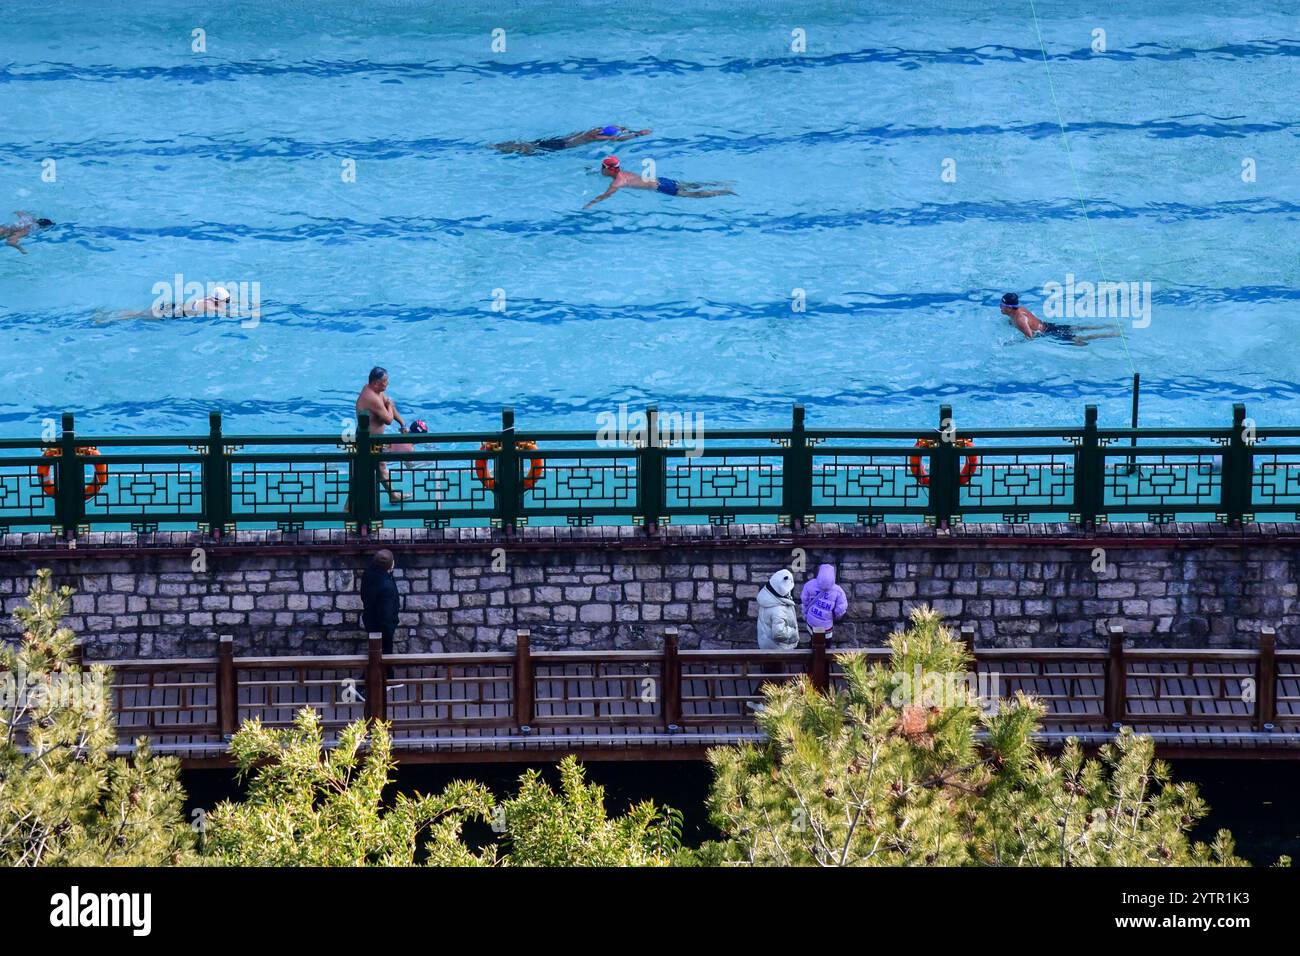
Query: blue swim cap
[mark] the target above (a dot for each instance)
(609, 131)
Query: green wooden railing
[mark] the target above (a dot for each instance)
(509, 477)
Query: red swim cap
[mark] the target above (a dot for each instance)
(610, 162)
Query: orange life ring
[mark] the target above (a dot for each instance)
(968, 467)
(96, 484)
(536, 467)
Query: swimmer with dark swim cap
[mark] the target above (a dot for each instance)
(608, 134)
(1031, 326)
(25, 225)
(669, 187)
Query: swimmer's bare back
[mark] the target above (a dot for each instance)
(624, 180)
(189, 310)
(1033, 327)
(14, 235)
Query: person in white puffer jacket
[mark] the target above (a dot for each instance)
(778, 626)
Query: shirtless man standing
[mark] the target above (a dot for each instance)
(1031, 326)
(382, 413)
(669, 187)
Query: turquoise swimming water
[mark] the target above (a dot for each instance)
(226, 165)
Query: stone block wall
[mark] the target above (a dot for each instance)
(463, 596)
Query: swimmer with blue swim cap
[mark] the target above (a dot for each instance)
(607, 134)
(611, 167)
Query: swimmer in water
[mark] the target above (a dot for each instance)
(24, 226)
(215, 303)
(1032, 326)
(669, 187)
(606, 134)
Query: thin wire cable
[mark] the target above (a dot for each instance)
(1083, 203)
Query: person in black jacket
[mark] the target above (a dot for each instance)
(379, 600)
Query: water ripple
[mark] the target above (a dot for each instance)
(592, 68)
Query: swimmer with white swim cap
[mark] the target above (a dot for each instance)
(214, 303)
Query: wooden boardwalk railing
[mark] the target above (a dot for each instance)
(672, 703)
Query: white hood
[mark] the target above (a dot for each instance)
(779, 588)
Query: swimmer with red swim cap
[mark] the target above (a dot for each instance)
(669, 187)
(605, 134)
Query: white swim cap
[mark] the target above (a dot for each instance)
(220, 294)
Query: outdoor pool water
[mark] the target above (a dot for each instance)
(226, 166)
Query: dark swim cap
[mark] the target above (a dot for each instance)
(1011, 299)
(609, 131)
(419, 427)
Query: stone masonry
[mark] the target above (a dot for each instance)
(594, 591)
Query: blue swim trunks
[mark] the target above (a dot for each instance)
(668, 186)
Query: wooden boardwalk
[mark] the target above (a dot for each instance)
(672, 704)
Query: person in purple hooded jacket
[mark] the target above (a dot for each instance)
(823, 600)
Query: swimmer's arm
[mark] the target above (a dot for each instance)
(392, 409)
(605, 195)
(375, 405)
(629, 134)
(1023, 326)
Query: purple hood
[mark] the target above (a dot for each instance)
(824, 601)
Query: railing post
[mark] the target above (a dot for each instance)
(1089, 471)
(227, 691)
(1116, 678)
(651, 473)
(1133, 439)
(671, 681)
(376, 695)
(523, 680)
(820, 670)
(216, 479)
(796, 472)
(1237, 466)
(506, 478)
(69, 484)
(1266, 680)
(944, 488)
(362, 474)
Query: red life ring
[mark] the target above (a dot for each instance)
(968, 468)
(96, 484)
(536, 467)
